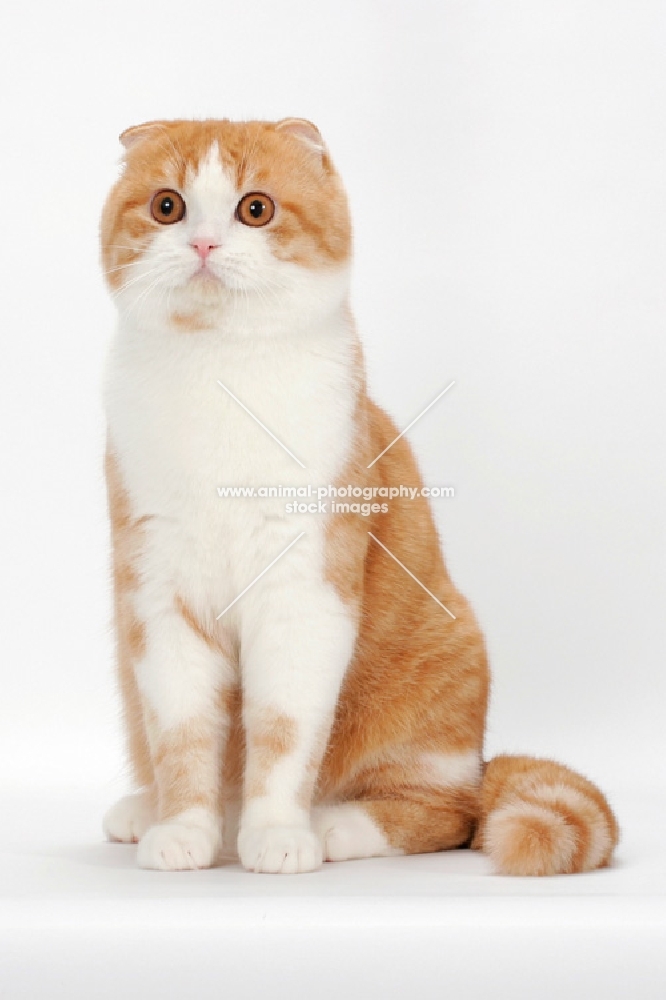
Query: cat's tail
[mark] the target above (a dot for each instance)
(541, 818)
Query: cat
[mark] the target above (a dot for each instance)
(297, 688)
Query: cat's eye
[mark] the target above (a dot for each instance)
(255, 209)
(167, 207)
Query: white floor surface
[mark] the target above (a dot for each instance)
(78, 919)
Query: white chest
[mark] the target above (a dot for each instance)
(178, 435)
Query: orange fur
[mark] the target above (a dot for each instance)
(272, 737)
(126, 537)
(165, 152)
(231, 708)
(177, 758)
(418, 681)
(213, 633)
(538, 817)
(189, 322)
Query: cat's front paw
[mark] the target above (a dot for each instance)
(190, 840)
(284, 850)
(127, 820)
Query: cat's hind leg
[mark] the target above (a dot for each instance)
(392, 812)
(415, 824)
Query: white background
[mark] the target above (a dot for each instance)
(506, 165)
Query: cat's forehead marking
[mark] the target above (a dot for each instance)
(210, 177)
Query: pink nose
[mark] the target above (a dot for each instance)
(203, 247)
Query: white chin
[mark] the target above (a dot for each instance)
(205, 279)
(205, 285)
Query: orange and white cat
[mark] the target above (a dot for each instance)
(336, 708)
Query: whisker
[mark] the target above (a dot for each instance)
(121, 267)
(143, 295)
(138, 277)
(121, 246)
(164, 257)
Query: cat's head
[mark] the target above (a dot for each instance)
(210, 213)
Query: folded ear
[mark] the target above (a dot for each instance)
(137, 133)
(305, 131)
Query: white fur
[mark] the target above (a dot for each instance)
(347, 831)
(294, 662)
(451, 768)
(129, 818)
(280, 339)
(582, 805)
(190, 840)
(260, 293)
(175, 696)
(279, 850)
(505, 824)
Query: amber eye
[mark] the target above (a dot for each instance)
(255, 209)
(167, 207)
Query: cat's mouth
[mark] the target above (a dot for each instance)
(208, 285)
(222, 277)
(204, 277)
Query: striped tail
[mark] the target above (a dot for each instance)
(541, 818)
